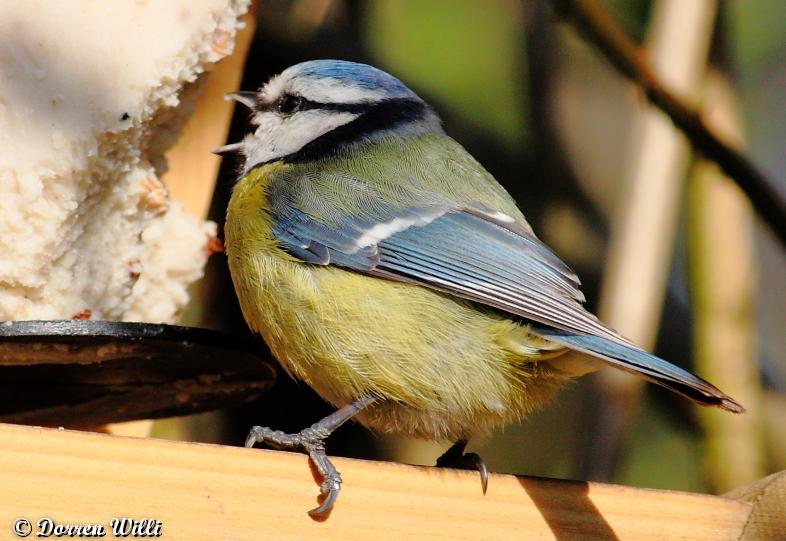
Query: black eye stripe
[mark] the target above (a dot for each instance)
(304, 104)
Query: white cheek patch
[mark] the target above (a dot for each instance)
(278, 136)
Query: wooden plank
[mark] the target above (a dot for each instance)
(200, 491)
(768, 497)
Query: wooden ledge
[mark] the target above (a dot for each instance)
(200, 491)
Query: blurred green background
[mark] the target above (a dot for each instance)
(551, 120)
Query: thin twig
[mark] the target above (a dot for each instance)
(721, 271)
(646, 216)
(592, 21)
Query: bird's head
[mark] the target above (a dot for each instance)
(319, 108)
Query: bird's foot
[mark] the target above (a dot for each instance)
(455, 457)
(311, 441)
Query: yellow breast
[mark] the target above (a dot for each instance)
(443, 366)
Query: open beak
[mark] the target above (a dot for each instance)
(225, 150)
(249, 99)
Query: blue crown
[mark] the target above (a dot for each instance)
(354, 74)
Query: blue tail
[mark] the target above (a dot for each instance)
(644, 364)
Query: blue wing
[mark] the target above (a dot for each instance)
(464, 252)
(484, 257)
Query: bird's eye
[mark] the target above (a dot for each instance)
(289, 104)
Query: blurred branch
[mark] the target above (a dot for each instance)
(646, 214)
(569, 213)
(774, 418)
(598, 27)
(722, 285)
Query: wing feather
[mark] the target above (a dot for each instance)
(462, 252)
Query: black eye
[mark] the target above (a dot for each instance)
(289, 104)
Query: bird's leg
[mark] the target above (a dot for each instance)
(455, 457)
(311, 441)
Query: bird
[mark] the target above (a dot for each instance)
(389, 271)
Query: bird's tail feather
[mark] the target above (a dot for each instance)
(646, 365)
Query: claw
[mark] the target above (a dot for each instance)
(331, 480)
(456, 458)
(327, 504)
(483, 470)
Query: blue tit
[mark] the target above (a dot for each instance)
(389, 271)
